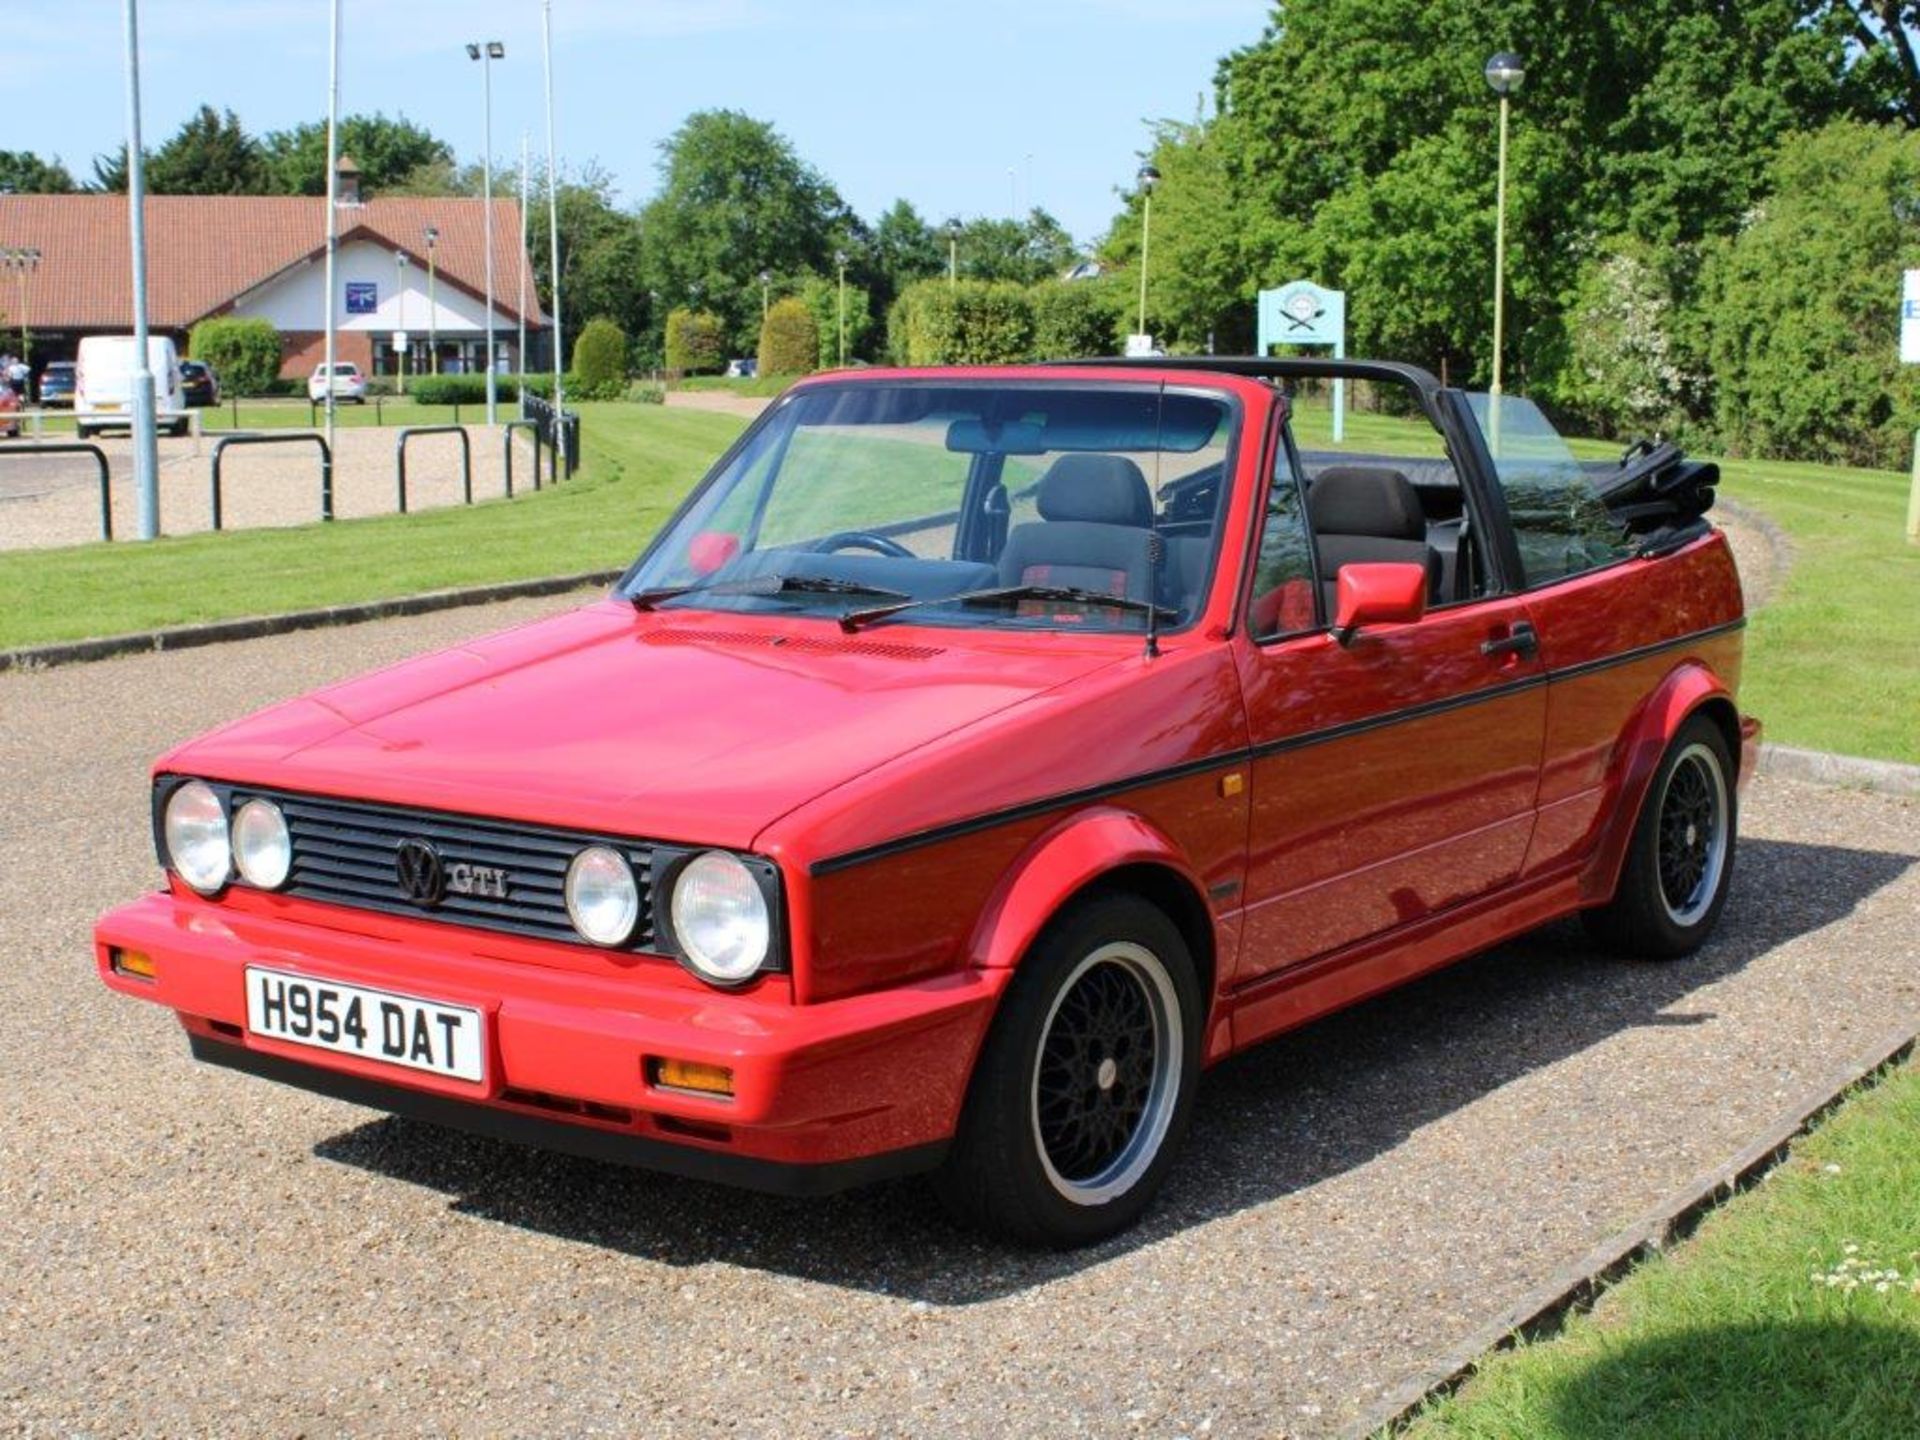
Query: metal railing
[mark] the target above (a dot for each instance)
(77, 447)
(562, 432)
(290, 438)
(532, 427)
(400, 459)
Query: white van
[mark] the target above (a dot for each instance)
(103, 384)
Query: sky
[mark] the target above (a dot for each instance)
(936, 103)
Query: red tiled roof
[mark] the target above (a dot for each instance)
(204, 251)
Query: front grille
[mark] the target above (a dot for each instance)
(344, 852)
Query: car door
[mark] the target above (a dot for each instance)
(1392, 777)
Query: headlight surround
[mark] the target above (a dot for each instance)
(720, 918)
(262, 845)
(195, 826)
(603, 900)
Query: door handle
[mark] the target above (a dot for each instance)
(1519, 640)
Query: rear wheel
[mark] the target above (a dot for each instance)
(1086, 1082)
(1677, 870)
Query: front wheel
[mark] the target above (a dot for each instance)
(1086, 1082)
(1675, 878)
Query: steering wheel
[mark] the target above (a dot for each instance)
(861, 540)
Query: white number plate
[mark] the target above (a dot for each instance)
(428, 1035)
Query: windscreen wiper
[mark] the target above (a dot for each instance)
(1010, 595)
(764, 585)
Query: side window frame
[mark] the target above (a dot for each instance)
(1280, 447)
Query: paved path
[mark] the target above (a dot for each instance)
(186, 1251)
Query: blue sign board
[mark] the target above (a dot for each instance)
(1302, 313)
(363, 297)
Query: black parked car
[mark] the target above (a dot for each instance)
(199, 386)
(56, 384)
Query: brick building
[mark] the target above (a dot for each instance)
(265, 256)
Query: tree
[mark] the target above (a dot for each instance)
(1021, 251)
(735, 200)
(110, 171)
(602, 269)
(905, 248)
(210, 154)
(1804, 331)
(24, 173)
(789, 338)
(388, 152)
(821, 296)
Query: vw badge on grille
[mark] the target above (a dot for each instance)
(423, 879)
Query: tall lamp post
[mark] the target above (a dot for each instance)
(766, 294)
(146, 444)
(1504, 74)
(486, 54)
(840, 259)
(953, 252)
(1148, 178)
(400, 296)
(432, 236)
(24, 261)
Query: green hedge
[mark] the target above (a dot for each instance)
(600, 360)
(695, 342)
(245, 354)
(972, 323)
(789, 338)
(472, 389)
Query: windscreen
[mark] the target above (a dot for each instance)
(1088, 506)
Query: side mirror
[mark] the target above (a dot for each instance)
(1383, 594)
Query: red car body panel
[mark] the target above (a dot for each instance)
(1326, 820)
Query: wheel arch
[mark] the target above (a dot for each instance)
(1099, 850)
(1691, 688)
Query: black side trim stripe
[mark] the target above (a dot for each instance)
(1142, 780)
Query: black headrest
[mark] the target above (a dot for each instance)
(1366, 500)
(1101, 489)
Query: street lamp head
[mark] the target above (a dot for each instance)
(766, 277)
(1148, 177)
(496, 51)
(1505, 72)
(433, 236)
(840, 258)
(400, 257)
(473, 52)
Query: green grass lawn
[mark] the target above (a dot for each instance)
(1794, 1311)
(637, 461)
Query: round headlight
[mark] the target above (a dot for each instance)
(602, 899)
(720, 918)
(196, 831)
(262, 848)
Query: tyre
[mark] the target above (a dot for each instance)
(1085, 1085)
(1680, 860)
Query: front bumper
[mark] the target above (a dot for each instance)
(824, 1096)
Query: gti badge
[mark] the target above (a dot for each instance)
(488, 881)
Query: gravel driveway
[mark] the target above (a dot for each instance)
(187, 1251)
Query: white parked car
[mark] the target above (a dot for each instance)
(349, 385)
(103, 384)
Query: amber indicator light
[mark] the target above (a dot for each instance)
(694, 1076)
(134, 963)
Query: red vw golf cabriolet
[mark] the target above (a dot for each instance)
(976, 756)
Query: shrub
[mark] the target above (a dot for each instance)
(972, 323)
(472, 389)
(789, 338)
(822, 299)
(1072, 318)
(646, 392)
(244, 353)
(600, 360)
(695, 342)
